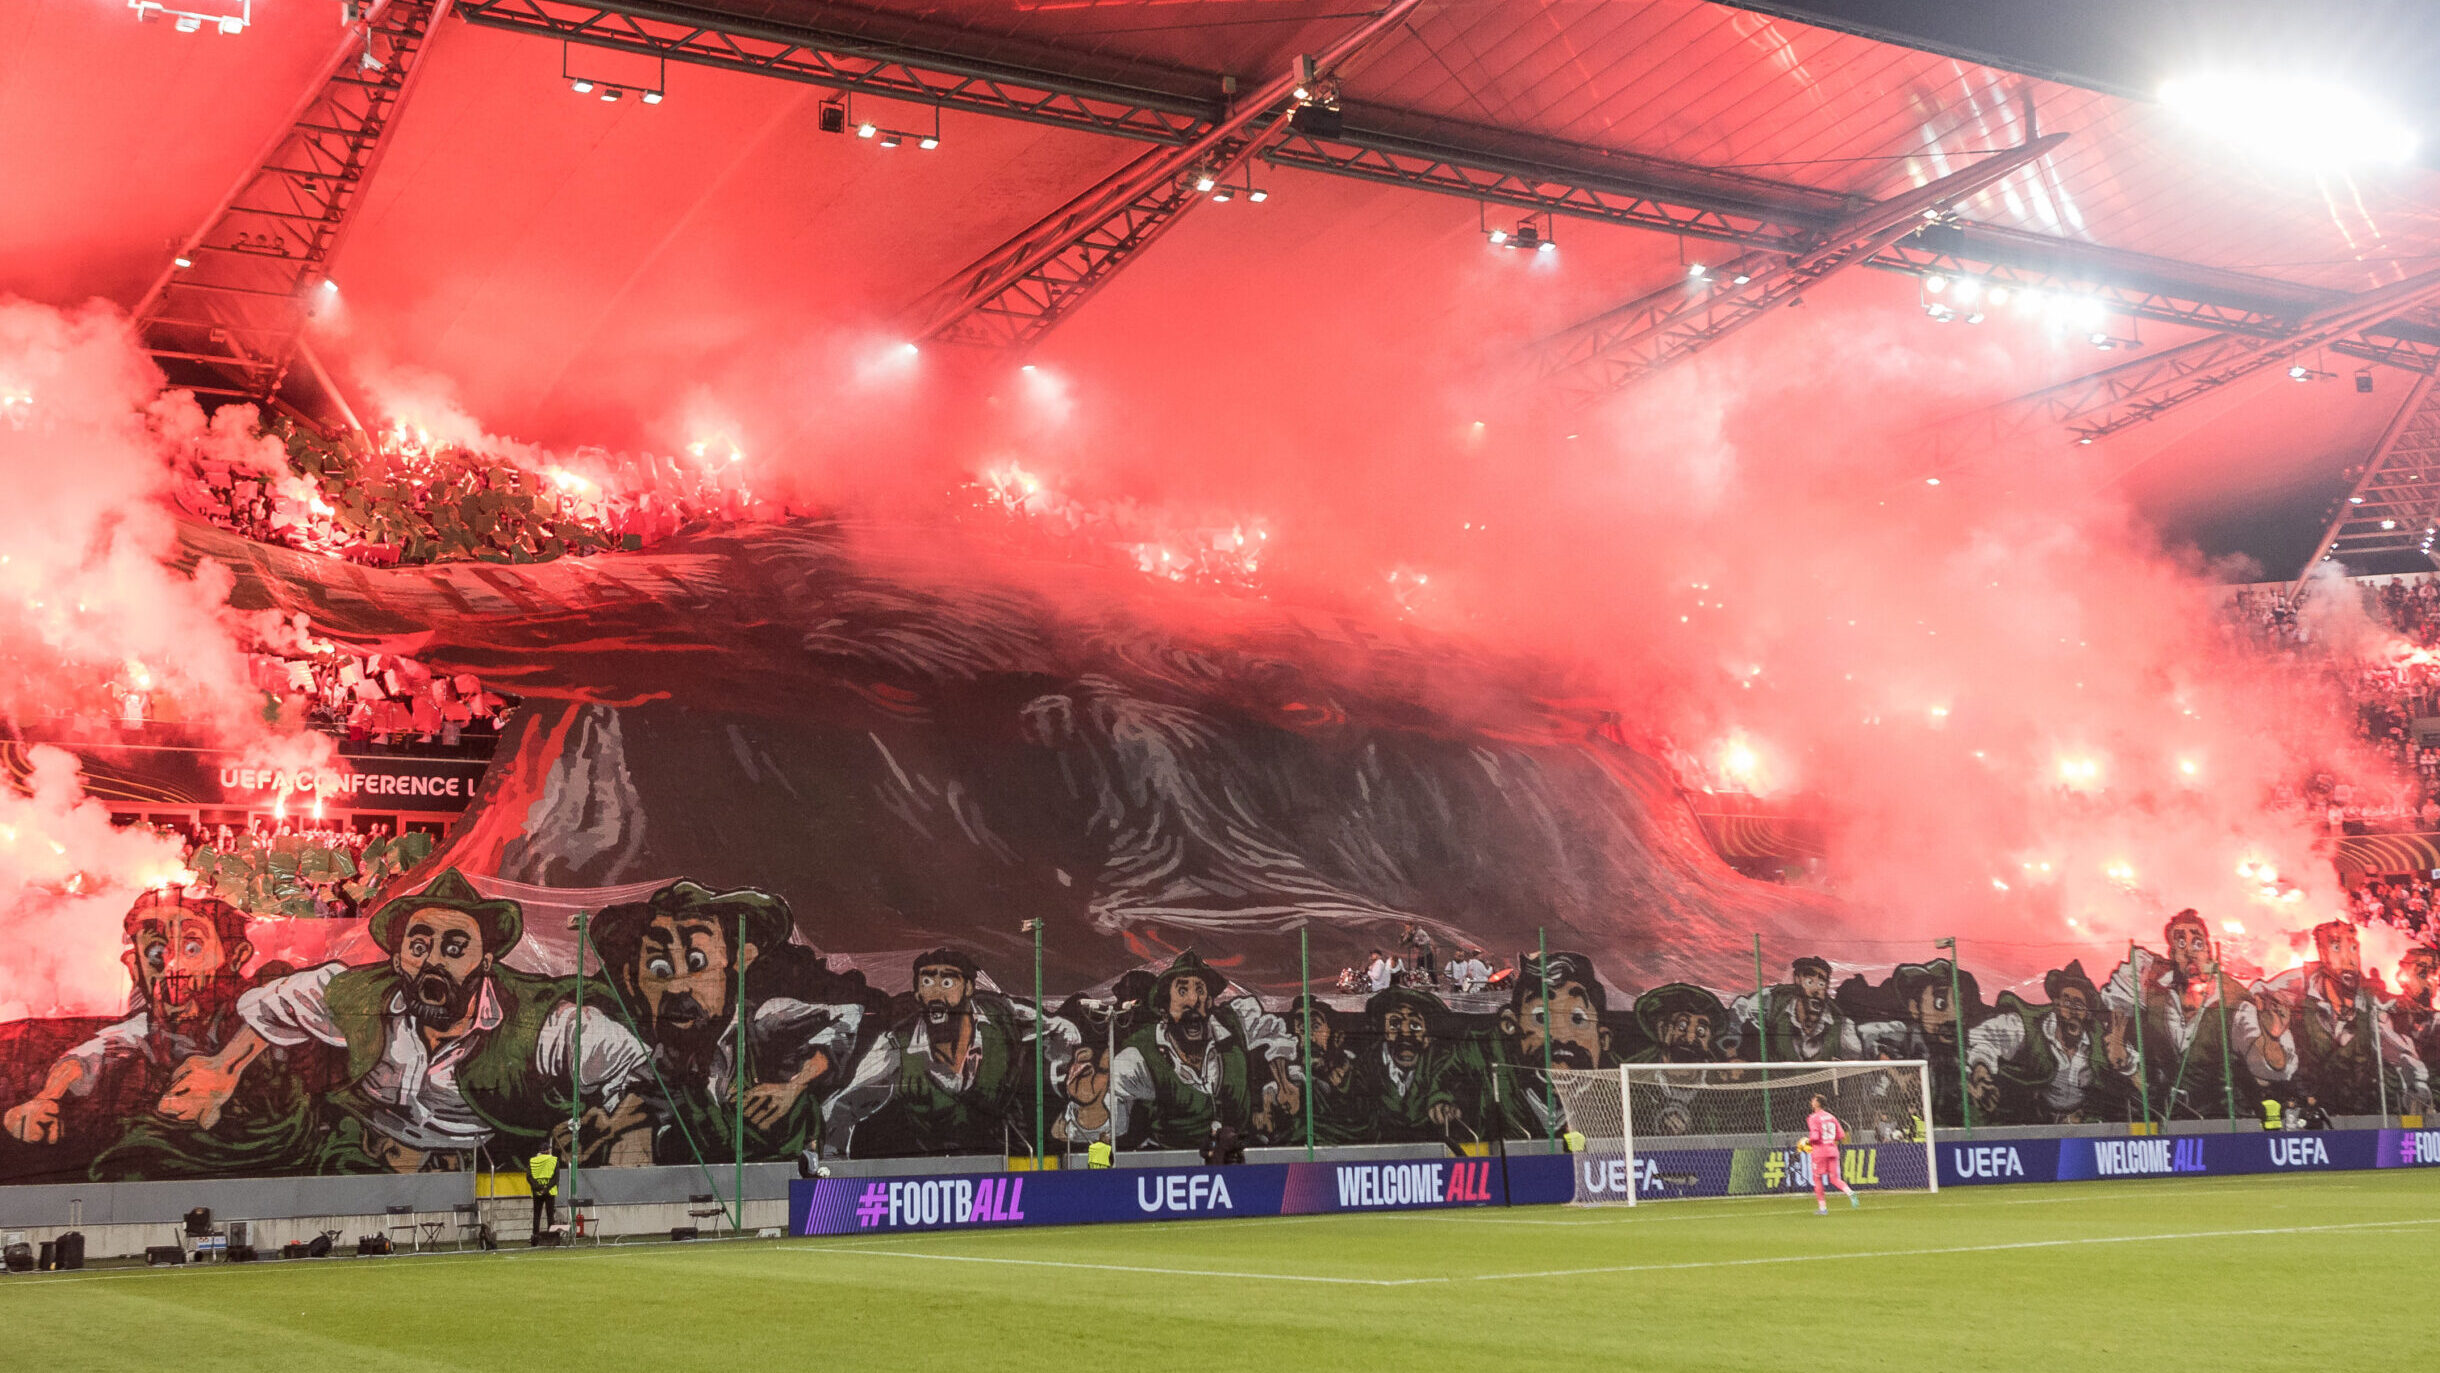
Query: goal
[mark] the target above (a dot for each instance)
(1666, 1131)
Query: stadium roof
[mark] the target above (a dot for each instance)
(556, 258)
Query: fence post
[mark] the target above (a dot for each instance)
(1550, 1091)
(1762, 1027)
(576, 1082)
(1304, 989)
(2228, 1069)
(742, 1049)
(1957, 1013)
(2143, 1067)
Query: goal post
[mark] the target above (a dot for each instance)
(1671, 1131)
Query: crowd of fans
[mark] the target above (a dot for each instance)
(410, 499)
(376, 699)
(300, 868)
(2390, 784)
(377, 702)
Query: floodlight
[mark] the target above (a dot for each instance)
(2290, 120)
(1695, 271)
(867, 130)
(183, 261)
(1258, 195)
(1498, 237)
(1204, 181)
(652, 97)
(581, 86)
(928, 143)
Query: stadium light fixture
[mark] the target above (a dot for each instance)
(610, 95)
(1695, 271)
(652, 97)
(2295, 121)
(867, 130)
(1533, 232)
(224, 18)
(183, 261)
(581, 86)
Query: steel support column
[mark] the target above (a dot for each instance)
(1021, 290)
(226, 317)
(1627, 344)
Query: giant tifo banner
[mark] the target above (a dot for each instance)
(822, 802)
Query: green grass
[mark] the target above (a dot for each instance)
(2328, 1272)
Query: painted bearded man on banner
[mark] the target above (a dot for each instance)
(444, 1050)
(678, 959)
(1796, 1021)
(1202, 1060)
(2314, 1028)
(184, 954)
(1408, 1083)
(2051, 1064)
(955, 1078)
(2184, 1004)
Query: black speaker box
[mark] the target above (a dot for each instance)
(199, 1221)
(684, 1232)
(293, 1249)
(71, 1255)
(548, 1239)
(46, 1258)
(367, 1246)
(241, 1253)
(158, 1254)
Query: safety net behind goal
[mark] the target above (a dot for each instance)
(1663, 1132)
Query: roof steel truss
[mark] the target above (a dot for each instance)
(227, 316)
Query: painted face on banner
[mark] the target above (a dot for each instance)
(683, 973)
(2075, 1008)
(2416, 972)
(2190, 950)
(941, 992)
(440, 958)
(1576, 1036)
(179, 962)
(1933, 1014)
(1188, 1010)
(1406, 1034)
(2342, 957)
(1814, 986)
(1686, 1037)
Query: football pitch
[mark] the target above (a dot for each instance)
(2331, 1271)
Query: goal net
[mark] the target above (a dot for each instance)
(1665, 1131)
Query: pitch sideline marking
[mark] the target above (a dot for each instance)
(1618, 1268)
(1128, 1268)
(1955, 1249)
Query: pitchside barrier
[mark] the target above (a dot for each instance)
(992, 1201)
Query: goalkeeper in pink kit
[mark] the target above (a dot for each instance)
(1823, 1134)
